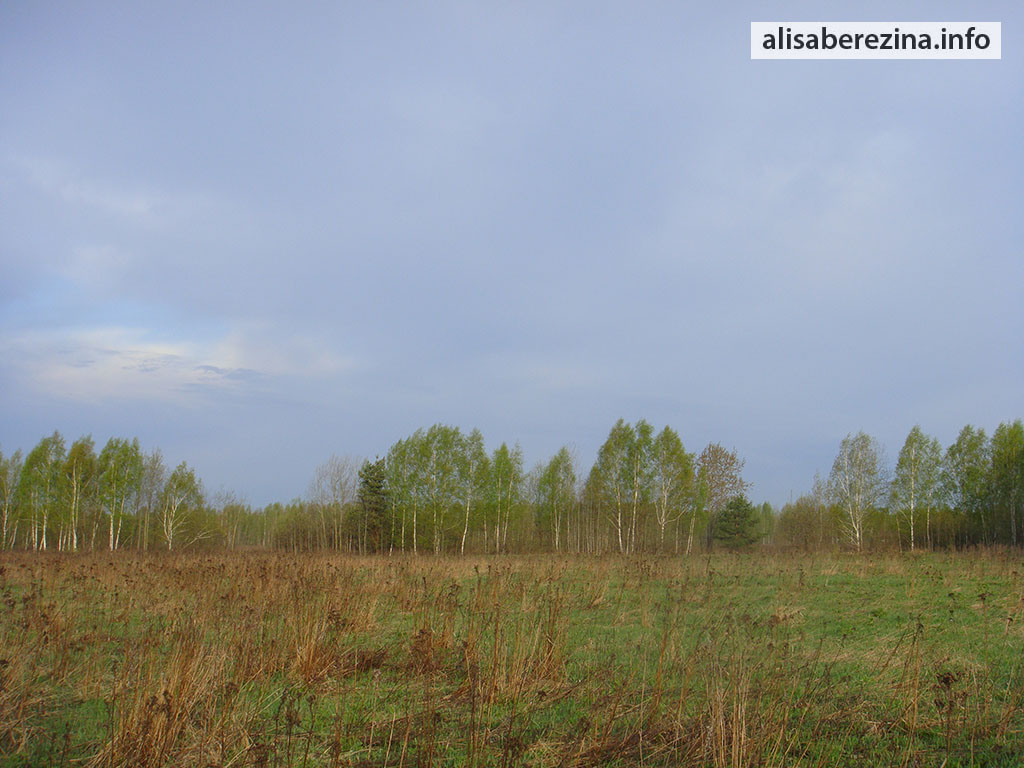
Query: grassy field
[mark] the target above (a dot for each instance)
(319, 660)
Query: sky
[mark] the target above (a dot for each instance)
(258, 234)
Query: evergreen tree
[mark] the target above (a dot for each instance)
(373, 503)
(738, 525)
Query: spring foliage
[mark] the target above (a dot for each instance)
(440, 490)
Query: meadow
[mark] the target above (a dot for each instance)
(267, 659)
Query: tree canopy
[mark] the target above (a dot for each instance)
(439, 490)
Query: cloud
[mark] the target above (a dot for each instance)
(99, 364)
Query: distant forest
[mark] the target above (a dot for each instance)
(439, 491)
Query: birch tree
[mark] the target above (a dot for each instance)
(506, 490)
(334, 487)
(473, 467)
(40, 488)
(151, 486)
(438, 457)
(965, 479)
(672, 476)
(556, 494)
(1008, 475)
(610, 480)
(80, 482)
(401, 492)
(120, 476)
(10, 470)
(182, 494)
(858, 482)
(639, 468)
(915, 483)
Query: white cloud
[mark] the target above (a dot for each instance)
(119, 363)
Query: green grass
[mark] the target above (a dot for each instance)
(316, 660)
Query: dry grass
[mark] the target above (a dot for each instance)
(271, 660)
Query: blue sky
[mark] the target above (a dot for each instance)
(255, 234)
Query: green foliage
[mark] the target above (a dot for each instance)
(915, 486)
(437, 453)
(965, 479)
(373, 503)
(474, 472)
(41, 488)
(443, 492)
(504, 496)
(719, 479)
(556, 496)
(766, 521)
(10, 471)
(673, 481)
(610, 480)
(182, 506)
(640, 479)
(737, 525)
(1007, 480)
(859, 483)
(120, 468)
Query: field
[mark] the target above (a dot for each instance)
(262, 659)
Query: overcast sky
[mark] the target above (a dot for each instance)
(256, 234)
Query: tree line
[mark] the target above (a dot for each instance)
(440, 491)
(971, 493)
